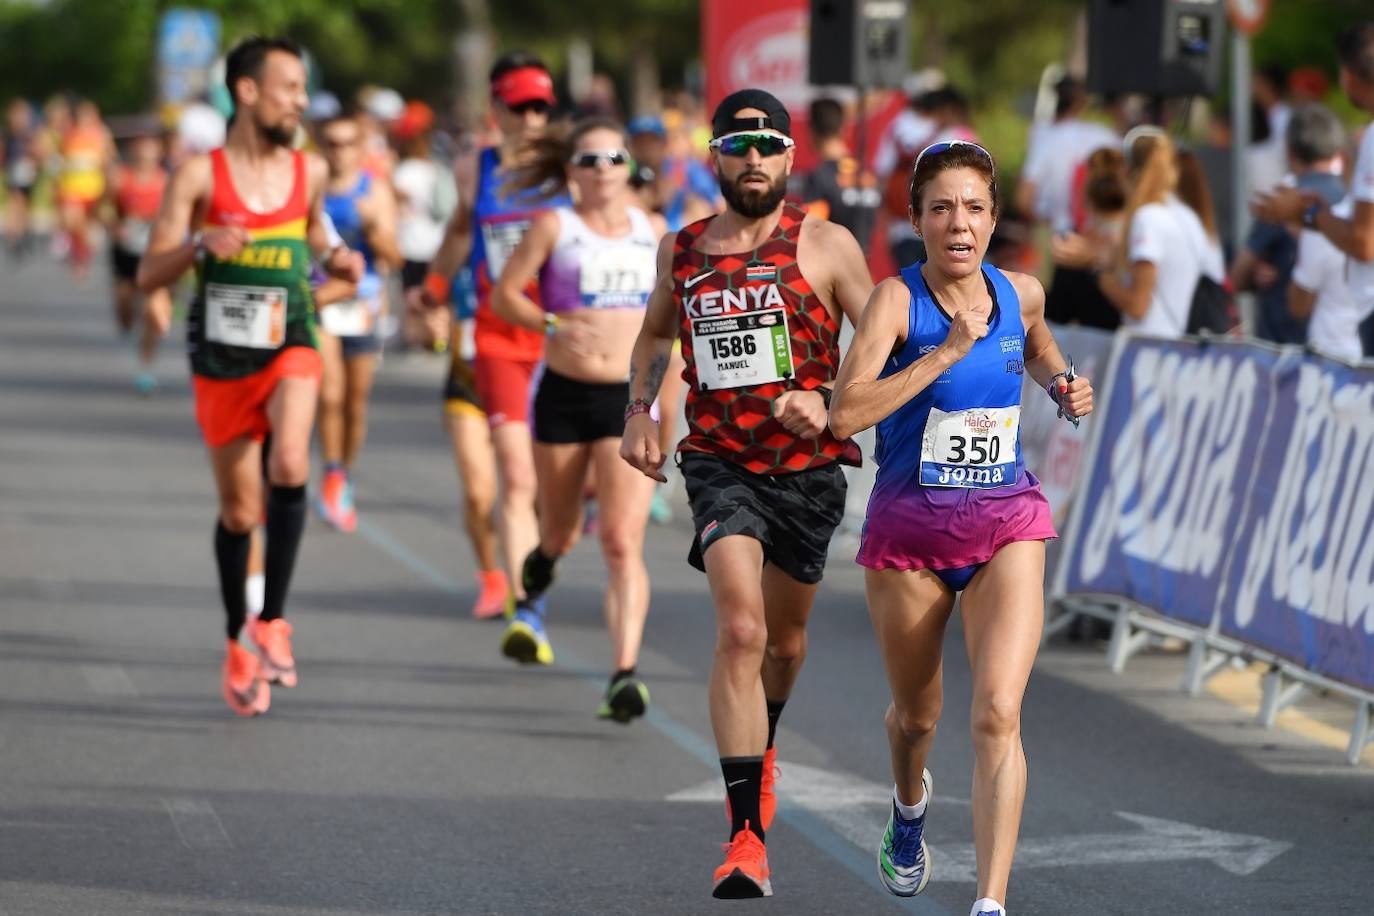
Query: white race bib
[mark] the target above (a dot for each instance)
(245, 316)
(970, 448)
(617, 277)
(349, 318)
(748, 348)
(501, 240)
(134, 234)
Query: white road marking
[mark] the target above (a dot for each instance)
(857, 809)
(197, 823)
(109, 680)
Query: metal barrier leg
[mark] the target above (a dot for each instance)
(1361, 733)
(1125, 642)
(1277, 696)
(1203, 665)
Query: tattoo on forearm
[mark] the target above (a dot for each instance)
(653, 380)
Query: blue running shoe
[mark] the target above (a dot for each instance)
(525, 639)
(903, 862)
(145, 383)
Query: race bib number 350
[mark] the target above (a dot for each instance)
(970, 448)
(245, 316)
(750, 348)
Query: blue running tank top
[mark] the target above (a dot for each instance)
(500, 221)
(343, 210)
(963, 431)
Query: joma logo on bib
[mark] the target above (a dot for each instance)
(724, 301)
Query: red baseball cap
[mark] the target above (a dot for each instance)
(523, 84)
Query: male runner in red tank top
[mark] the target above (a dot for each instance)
(257, 204)
(757, 296)
(135, 188)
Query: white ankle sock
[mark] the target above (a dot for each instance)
(988, 905)
(254, 587)
(909, 812)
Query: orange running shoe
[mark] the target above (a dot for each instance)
(744, 873)
(244, 688)
(333, 492)
(495, 594)
(273, 639)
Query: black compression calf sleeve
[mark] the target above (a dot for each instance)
(286, 510)
(231, 556)
(774, 711)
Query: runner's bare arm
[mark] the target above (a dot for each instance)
(381, 225)
(508, 300)
(457, 243)
(338, 261)
(851, 283)
(171, 250)
(1042, 356)
(861, 399)
(654, 346)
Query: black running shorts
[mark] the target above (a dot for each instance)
(792, 515)
(566, 410)
(124, 263)
(460, 385)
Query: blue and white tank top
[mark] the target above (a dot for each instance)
(963, 430)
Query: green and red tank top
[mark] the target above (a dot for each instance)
(751, 328)
(250, 307)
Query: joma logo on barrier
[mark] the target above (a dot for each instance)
(1174, 464)
(1311, 545)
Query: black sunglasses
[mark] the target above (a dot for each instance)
(741, 144)
(538, 106)
(590, 159)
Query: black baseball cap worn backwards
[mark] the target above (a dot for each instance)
(775, 114)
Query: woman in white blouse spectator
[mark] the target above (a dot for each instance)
(1166, 249)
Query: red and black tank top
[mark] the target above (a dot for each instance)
(761, 330)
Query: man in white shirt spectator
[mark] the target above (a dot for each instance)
(1320, 290)
(1352, 235)
(1056, 154)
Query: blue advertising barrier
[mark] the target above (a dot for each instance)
(1301, 583)
(1229, 487)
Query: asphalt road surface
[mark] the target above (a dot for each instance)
(415, 770)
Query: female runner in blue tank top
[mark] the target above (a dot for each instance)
(937, 364)
(596, 265)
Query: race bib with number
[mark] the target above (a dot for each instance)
(134, 234)
(350, 318)
(970, 448)
(750, 348)
(501, 240)
(245, 316)
(617, 277)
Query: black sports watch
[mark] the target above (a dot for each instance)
(1309, 216)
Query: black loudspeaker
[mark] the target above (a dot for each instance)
(1158, 47)
(859, 43)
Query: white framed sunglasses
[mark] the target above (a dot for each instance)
(590, 159)
(741, 143)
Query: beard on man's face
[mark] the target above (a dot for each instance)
(753, 202)
(277, 134)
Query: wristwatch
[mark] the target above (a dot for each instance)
(550, 324)
(1309, 216)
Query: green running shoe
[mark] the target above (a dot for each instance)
(625, 699)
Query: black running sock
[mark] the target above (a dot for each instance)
(622, 673)
(286, 511)
(743, 777)
(231, 556)
(536, 573)
(774, 711)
